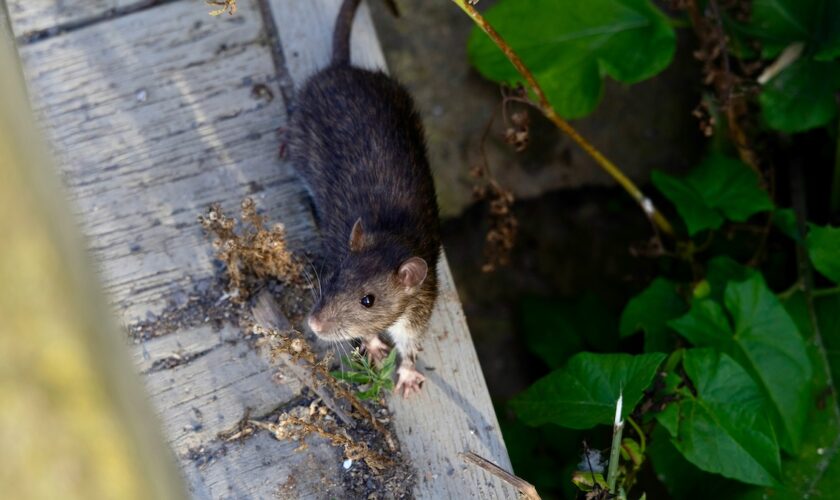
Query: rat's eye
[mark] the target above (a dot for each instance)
(367, 300)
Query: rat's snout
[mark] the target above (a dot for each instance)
(315, 324)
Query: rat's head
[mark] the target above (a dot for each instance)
(369, 291)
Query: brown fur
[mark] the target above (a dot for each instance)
(357, 142)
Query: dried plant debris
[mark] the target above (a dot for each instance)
(292, 343)
(257, 259)
(503, 223)
(228, 6)
(253, 254)
(368, 469)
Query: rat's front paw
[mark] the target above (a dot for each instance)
(409, 381)
(376, 350)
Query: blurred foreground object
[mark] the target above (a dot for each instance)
(74, 422)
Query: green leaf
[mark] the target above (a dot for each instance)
(720, 187)
(823, 245)
(828, 43)
(682, 478)
(782, 21)
(705, 325)
(765, 340)
(349, 376)
(650, 312)
(388, 365)
(570, 46)
(721, 270)
(584, 392)
(814, 472)
(369, 394)
(802, 96)
(688, 201)
(778, 23)
(785, 221)
(724, 429)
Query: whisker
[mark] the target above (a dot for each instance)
(309, 280)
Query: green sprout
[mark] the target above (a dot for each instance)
(366, 376)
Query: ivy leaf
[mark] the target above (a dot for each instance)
(570, 46)
(780, 22)
(682, 478)
(584, 392)
(815, 471)
(723, 269)
(765, 341)
(823, 245)
(828, 45)
(724, 428)
(650, 312)
(802, 96)
(720, 187)
(785, 221)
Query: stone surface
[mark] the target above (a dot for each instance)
(639, 127)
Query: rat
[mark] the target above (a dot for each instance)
(358, 144)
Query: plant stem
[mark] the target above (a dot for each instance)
(545, 107)
(642, 438)
(615, 451)
(825, 292)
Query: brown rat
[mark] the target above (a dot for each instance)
(357, 142)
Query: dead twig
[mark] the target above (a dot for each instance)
(291, 348)
(267, 314)
(228, 6)
(527, 489)
(292, 427)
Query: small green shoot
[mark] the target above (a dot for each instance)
(369, 380)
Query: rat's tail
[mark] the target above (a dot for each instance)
(341, 34)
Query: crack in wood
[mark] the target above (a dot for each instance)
(287, 89)
(39, 35)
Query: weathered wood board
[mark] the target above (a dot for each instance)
(454, 412)
(31, 16)
(154, 115)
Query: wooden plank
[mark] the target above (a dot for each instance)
(153, 116)
(454, 412)
(272, 469)
(31, 16)
(75, 422)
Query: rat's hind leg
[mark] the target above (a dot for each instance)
(405, 337)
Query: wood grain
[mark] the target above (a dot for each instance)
(153, 115)
(454, 412)
(31, 16)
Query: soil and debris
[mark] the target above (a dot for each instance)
(253, 259)
(257, 259)
(207, 303)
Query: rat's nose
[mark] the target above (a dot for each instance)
(315, 324)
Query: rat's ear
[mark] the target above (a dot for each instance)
(357, 236)
(412, 272)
